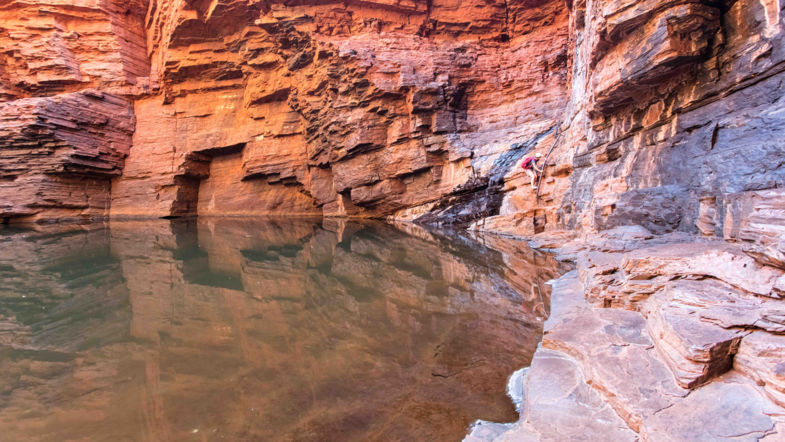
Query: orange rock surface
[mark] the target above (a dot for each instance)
(361, 110)
(244, 107)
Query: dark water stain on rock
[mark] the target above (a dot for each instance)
(481, 196)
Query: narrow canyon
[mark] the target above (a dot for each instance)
(661, 125)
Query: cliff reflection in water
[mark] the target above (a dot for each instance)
(284, 330)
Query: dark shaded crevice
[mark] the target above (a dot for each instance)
(505, 34)
(714, 134)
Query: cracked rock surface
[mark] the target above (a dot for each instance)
(690, 358)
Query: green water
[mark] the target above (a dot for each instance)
(261, 330)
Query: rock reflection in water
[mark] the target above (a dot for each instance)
(261, 330)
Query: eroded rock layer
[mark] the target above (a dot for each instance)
(409, 110)
(67, 71)
(243, 107)
(361, 110)
(668, 337)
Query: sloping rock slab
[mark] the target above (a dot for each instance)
(721, 261)
(559, 405)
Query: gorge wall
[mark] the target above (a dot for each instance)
(366, 109)
(663, 113)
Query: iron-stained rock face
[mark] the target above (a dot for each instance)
(66, 71)
(359, 109)
(364, 109)
(59, 153)
(409, 110)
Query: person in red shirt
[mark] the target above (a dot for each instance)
(530, 166)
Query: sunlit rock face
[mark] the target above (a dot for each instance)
(359, 109)
(299, 331)
(246, 108)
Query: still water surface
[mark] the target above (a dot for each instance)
(261, 330)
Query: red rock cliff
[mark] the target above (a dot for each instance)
(365, 109)
(67, 70)
(411, 110)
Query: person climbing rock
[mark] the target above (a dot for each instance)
(530, 166)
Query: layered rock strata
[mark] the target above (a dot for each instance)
(675, 197)
(360, 110)
(67, 73)
(366, 109)
(646, 342)
(60, 154)
(409, 111)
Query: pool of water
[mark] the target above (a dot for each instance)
(230, 329)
